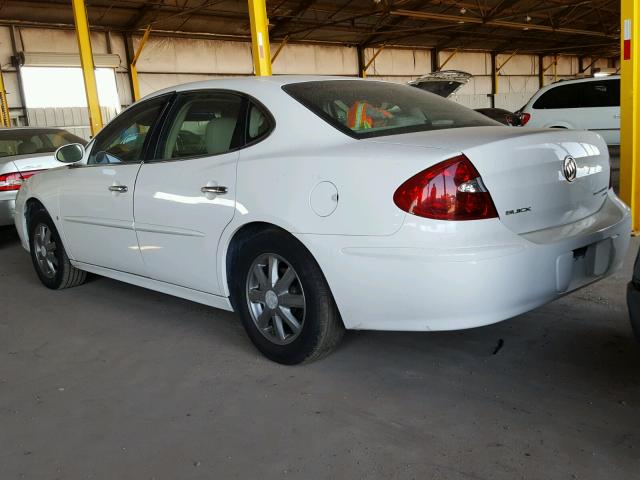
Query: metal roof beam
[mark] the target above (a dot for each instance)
(497, 23)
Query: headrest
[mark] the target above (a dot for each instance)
(27, 147)
(218, 135)
(256, 120)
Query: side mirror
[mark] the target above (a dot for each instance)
(71, 153)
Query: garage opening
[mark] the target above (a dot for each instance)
(48, 105)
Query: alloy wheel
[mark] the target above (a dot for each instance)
(275, 298)
(44, 249)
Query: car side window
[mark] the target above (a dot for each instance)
(203, 124)
(562, 96)
(123, 140)
(258, 124)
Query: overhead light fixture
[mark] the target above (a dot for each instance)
(527, 19)
(463, 10)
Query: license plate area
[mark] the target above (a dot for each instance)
(583, 264)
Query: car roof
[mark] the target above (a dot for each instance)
(34, 129)
(582, 80)
(251, 83)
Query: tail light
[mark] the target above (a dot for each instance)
(524, 119)
(450, 190)
(13, 181)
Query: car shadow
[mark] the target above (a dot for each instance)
(8, 236)
(601, 356)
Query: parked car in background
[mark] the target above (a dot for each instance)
(310, 205)
(447, 82)
(23, 153)
(498, 114)
(583, 104)
(633, 298)
(444, 83)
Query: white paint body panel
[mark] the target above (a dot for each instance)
(178, 226)
(97, 223)
(435, 275)
(40, 161)
(387, 269)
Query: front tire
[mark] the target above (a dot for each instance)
(284, 301)
(48, 255)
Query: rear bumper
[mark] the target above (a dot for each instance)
(633, 302)
(456, 275)
(7, 208)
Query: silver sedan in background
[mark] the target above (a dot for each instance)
(23, 153)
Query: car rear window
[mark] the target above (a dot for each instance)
(364, 109)
(26, 141)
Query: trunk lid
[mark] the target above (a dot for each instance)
(524, 170)
(444, 83)
(35, 161)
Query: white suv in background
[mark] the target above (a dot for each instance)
(584, 104)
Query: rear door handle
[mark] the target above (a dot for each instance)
(118, 188)
(214, 189)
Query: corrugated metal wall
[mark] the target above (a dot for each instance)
(73, 119)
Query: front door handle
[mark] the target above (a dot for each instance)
(214, 189)
(118, 188)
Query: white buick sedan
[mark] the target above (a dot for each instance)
(310, 205)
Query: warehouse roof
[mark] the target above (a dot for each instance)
(535, 26)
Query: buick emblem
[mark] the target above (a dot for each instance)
(570, 168)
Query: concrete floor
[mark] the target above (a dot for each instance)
(110, 381)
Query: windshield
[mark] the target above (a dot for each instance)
(364, 109)
(27, 141)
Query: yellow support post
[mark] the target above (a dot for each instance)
(515, 52)
(260, 37)
(371, 60)
(133, 70)
(543, 70)
(86, 60)
(451, 55)
(495, 68)
(4, 105)
(630, 109)
(494, 76)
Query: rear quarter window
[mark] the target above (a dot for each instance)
(604, 93)
(562, 96)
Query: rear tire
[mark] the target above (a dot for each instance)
(48, 255)
(283, 299)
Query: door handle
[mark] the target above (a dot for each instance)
(214, 189)
(617, 115)
(118, 188)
